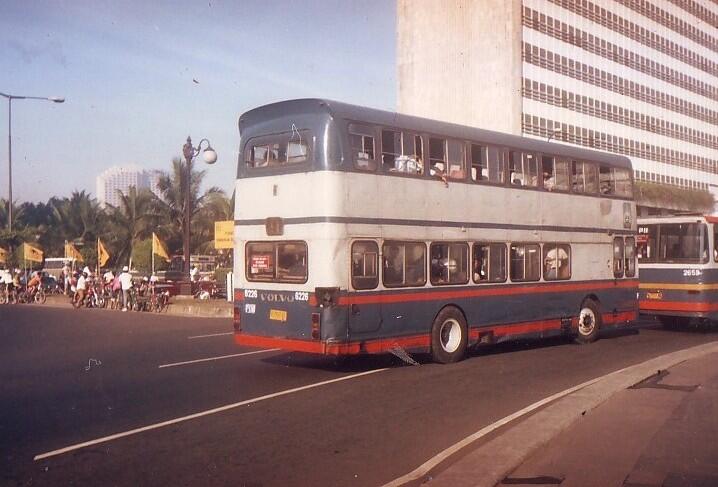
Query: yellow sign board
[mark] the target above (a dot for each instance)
(224, 234)
(277, 315)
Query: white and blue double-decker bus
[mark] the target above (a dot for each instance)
(360, 231)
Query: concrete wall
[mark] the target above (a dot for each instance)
(460, 61)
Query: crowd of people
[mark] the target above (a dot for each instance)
(19, 286)
(120, 289)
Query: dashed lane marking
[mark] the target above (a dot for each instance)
(210, 335)
(221, 357)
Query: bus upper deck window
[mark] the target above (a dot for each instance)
(585, 177)
(523, 169)
(456, 160)
(362, 144)
(555, 174)
(607, 181)
(622, 178)
(437, 157)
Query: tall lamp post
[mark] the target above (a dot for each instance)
(210, 157)
(10, 98)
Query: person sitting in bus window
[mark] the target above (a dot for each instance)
(393, 265)
(548, 181)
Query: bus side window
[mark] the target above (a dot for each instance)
(390, 149)
(362, 144)
(489, 262)
(585, 179)
(404, 264)
(556, 262)
(618, 257)
(449, 263)
(523, 169)
(607, 180)
(555, 174)
(365, 261)
(623, 184)
(630, 257)
(479, 163)
(456, 160)
(525, 262)
(437, 157)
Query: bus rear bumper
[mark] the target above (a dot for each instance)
(323, 347)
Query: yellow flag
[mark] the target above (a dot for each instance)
(102, 254)
(72, 253)
(159, 248)
(3, 256)
(31, 253)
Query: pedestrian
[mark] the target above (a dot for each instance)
(194, 274)
(65, 277)
(126, 284)
(81, 286)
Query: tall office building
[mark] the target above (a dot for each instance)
(633, 77)
(118, 178)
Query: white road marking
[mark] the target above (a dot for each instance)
(426, 467)
(209, 359)
(211, 335)
(199, 415)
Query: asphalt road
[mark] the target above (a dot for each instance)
(69, 376)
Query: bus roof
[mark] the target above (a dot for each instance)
(345, 111)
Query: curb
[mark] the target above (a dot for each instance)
(174, 309)
(498, 457)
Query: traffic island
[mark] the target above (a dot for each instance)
(179, 306)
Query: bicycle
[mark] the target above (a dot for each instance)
(40, 296)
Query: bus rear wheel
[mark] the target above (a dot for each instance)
(449, 336)
(589, 322)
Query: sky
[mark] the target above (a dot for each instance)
(140, 76)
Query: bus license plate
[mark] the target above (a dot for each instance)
(277, 315)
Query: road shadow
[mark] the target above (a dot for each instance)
(341, 364)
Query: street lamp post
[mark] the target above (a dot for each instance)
(554, 133)
(10, 98)
(210, 157)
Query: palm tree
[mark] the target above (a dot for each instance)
(130, 222)
(79, 217)
(171, 205)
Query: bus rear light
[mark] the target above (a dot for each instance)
(237, 319)
(316, 326)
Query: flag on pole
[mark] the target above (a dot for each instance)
(159, 248)
(102, 254)
(33, 254)
(3, 256)
(72, 253)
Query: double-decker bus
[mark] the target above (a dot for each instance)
(362, 231)
(678, 261)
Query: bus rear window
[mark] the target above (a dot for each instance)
(276, 262)
(277, 150)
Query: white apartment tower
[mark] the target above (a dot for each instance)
(118, 178)
(633, 77)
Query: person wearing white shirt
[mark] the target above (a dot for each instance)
(126, 284)
(81, 286)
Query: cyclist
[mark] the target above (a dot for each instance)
(33, 284)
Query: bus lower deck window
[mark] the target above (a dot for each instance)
(489, 262)
(276, 261)
(618, 248)
(525, 262)
(630, 256)
(556, 261)
(404, 264)
(365, 260)
(449, 263)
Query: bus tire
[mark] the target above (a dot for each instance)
(449, 336)
(589, 322)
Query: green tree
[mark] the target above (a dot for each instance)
(171, 206)
(130, 222)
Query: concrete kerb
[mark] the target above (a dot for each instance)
(201, 309)
(488, 464)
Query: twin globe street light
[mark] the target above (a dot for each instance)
(210, 157)
(10, 98)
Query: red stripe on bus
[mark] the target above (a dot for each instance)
(471, 293)
(411, 342)
(677, 306)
